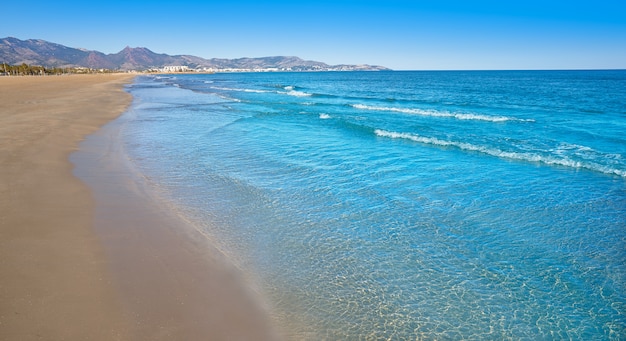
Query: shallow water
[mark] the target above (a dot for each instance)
(403, 205)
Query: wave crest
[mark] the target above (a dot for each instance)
(297, 93)
(434, 113)
(528, 157)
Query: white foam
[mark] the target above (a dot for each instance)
(434, 113)
(241, 90)
(582, 151)
(324, 116)
(573, 146)
(298, 93)
(529, 157)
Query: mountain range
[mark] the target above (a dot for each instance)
(14, 51)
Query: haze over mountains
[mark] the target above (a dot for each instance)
(14, 51)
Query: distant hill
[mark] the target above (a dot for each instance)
(40, 52)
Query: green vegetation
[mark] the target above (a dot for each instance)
(35, 70)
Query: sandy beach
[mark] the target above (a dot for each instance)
(109, 264)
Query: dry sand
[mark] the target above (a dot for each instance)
(109, 265)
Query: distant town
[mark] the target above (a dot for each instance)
(37, 70)
(39, 57)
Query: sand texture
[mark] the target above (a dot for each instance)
(79, 264)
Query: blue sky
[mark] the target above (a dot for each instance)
(400, 34)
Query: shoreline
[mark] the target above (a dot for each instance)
(97, 259)
(172, 280)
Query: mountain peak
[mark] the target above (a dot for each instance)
(128, 48)
(40, 52)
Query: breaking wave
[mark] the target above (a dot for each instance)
(434, 113)
(291, 91)
(519, 156)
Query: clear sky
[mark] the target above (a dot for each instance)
(400, 34)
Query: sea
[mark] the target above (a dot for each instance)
(403, 205)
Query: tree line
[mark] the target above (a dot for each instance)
(36, 70)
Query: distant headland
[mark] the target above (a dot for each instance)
(14, 51)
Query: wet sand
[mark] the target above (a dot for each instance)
(101, 261)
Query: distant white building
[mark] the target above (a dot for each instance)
(175, 68)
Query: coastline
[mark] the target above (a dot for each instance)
(103, 265)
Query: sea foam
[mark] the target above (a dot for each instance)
(241, 90)
(435, 113)
(518, 156)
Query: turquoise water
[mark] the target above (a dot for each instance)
(404, 205)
